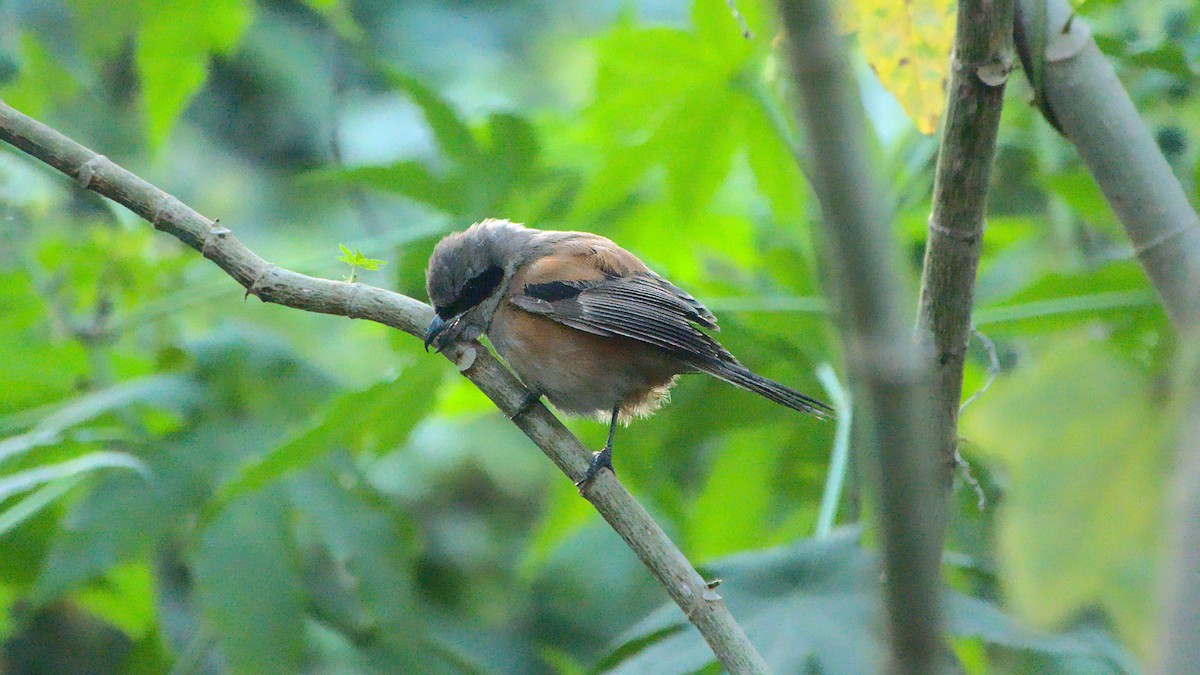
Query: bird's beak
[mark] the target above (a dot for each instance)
(436, 328)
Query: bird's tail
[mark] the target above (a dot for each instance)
(738, 375)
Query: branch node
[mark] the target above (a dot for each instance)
(967, 237)
(1161, 238)
(215, 231)
(992, 71)
(466, 358)
(253, 287)
(87, 172)
(995, 72)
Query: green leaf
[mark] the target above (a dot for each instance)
(1117, 292)
(125, 599)
(974, 618)
(162, 390)
(1166, 56)
(339, 16)
(731, 512)
(174, 44)
(376, 419)
(1079, 190)
(452, 134)
(695, 172)
(715, 25)
(815, 604)
(117, 519)
(355, 258)
(23, 481)
(31, 504)
(514, 146)
(367, 541)
(771, 159)
(103, 27)
(251, 390)
(564, 515)
(408, 179)
(40, 83)
(248, 587)
(30, 344)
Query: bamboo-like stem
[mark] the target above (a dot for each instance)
(980, 65)
(702, 606)
(888, 376)
(1084, 99)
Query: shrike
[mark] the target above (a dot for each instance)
(582, 321)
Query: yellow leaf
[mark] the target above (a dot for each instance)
(907, 43)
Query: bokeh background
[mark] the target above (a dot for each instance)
(386, 518)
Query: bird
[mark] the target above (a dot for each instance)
(582, 322)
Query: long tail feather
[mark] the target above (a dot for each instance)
(738, 375)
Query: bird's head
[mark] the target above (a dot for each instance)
(467, 276)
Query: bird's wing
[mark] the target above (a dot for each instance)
(647, 308)
(642, 306)
(583, 256)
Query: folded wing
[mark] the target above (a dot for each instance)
(648, 308)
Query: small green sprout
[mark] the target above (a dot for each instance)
(356, 260)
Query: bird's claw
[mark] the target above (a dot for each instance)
(600, 460)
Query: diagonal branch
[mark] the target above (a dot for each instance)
(1082, 97)
(980, 65)
(703, 607)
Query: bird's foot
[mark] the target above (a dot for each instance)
(530, 400)
(600, 460)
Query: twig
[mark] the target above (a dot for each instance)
(737, 16)
(964, 472)
(960, 462)
(981, 62)
(989, 348)
(885, 367)
(272, 284)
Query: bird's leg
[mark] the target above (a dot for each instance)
(602, 459)
(531, 398)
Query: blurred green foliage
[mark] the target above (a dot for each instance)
(196, 481)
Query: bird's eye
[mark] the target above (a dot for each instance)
(475, 291)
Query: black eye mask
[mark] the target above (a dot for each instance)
(474, 292)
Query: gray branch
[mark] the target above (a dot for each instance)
(1082, 96)
(888, 374)
(980, 65)
(702, 606)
